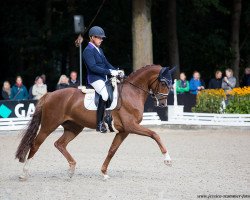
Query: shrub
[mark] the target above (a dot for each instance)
(239, 101)
(209, 101)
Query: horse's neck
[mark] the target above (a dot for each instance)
(140, 81)
(144, 77)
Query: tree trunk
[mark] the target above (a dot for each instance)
(142, 33)
(236, 12)
(173, 49)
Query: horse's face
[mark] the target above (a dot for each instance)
(161, 97)
(162, 87)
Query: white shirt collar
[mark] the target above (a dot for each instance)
(95, 46)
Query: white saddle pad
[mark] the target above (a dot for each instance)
(89, 100)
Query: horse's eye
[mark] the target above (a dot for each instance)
(163, 84)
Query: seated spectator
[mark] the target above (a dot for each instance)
(73, 80)
(215, 83)
(39, 89)
(182, 85)
(63, 82)
(246, 78)
(19, 91)
(6, 90)
(195, 83)
(229, 81)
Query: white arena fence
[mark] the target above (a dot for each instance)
(177, 116)
(152, 118)
(12, 124)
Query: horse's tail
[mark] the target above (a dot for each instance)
(29, 134)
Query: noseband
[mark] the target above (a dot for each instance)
(158, 96)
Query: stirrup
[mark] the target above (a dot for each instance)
(101, 128)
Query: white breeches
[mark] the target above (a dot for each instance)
(101, 89)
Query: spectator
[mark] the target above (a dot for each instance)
(73, 80)
(30, 92)
(63, 82)
(229, 81)
(19, 91)
(43, 77)
(39, 89)
(195, 84)
(246, 78)
(6, 90)
(215, 83)
(182, 85)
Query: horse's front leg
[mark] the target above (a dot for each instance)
(113, 148)
(140, 130)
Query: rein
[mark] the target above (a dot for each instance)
(150, 92)
(140, 88)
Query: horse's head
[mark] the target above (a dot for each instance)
(162, 87)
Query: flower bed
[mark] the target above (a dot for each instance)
(217, 101)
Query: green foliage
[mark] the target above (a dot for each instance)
(209, 101)
(238, 104)
(204, 6)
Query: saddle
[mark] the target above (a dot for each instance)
(91, 99)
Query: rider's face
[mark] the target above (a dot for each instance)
(96, 40)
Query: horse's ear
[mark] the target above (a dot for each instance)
(172, 70)
(165, 71)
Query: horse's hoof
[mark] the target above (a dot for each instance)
(168, 163)
(71, 173)
(23, 177)
(106, 177)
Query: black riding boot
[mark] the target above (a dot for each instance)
(100, 112)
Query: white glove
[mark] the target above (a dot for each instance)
(114, 73)
(121, 73)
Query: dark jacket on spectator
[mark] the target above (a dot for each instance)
(246, 80)
(62, 86)
(5, 95)
(19, 93)
(74, 84)
(30, 93)
(215, 83)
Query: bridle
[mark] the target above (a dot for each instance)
(155, 94)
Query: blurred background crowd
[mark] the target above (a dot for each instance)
(224, 80)
(20, 92)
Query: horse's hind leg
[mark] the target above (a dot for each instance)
(41, 136)
(61, 145)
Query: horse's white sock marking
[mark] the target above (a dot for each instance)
(106, 177)
(167, 159)
(167, 156)
(25, 173)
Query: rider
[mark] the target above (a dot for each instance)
(98, 68)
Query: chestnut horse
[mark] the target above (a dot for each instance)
(66, 108)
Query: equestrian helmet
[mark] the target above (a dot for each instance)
(97, 31)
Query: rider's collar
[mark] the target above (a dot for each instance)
(91, 43)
